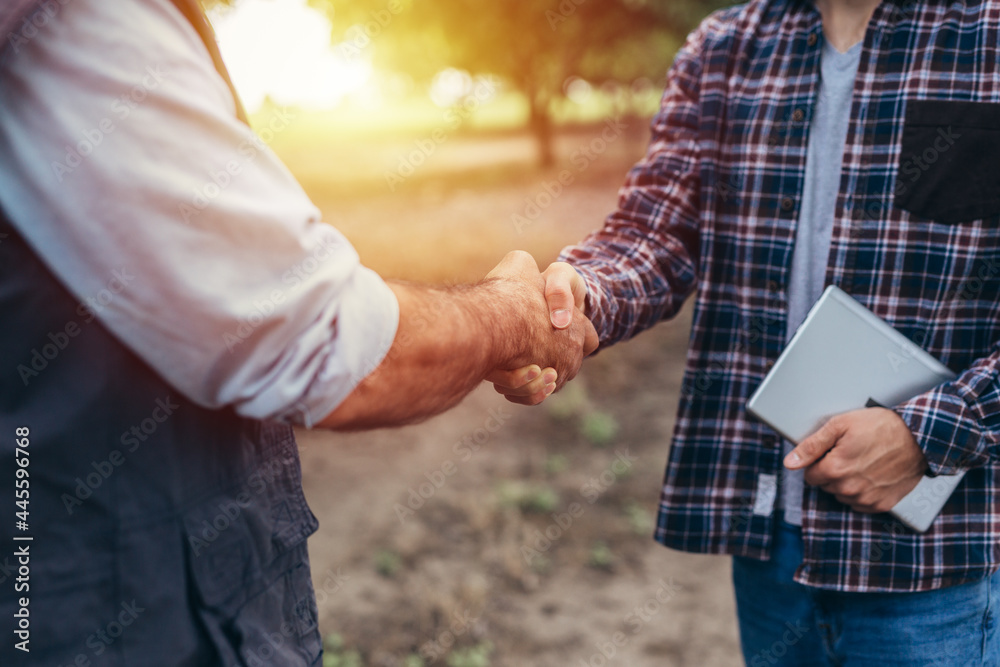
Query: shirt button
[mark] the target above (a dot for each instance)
(813, 39)
(798, 115)
(768, 365)
(787, 204)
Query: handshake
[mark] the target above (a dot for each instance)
(557, 334)
(521, 329)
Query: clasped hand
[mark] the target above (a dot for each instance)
(559, 334)
(868, 459)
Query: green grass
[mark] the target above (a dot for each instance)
(601, 556)
(474, 656)
(387, 563)
(418, 116)
(570, 401)
(527, 497)
(555, 464)
(335, 654)
(599, 428)
(413, 117)
(639, 520)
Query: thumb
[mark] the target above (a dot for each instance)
(564, 291)
(515, 264)
(816, 445)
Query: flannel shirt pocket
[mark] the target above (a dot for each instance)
(949, 170)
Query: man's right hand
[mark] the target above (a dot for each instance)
(565, 296)
(450, 339)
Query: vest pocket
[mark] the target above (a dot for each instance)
(275, 621)
(279, 624)
(249, 569)
(948, 167)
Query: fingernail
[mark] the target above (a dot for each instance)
(551, 377)
(793, 460)
(531, 375)
(561, 318)
(550, 388)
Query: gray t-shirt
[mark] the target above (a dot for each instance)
(827, 140)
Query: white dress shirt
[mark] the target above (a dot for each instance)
(124, 167)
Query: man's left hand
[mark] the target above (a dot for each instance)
(868, 459)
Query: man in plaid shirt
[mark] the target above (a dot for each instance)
(801, 144)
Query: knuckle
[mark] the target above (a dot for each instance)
(835, 468)
(833, 428)
(808, 448)
(866, 499)
(554, 290)
(557, 268)
(850, 488)
(834, 488)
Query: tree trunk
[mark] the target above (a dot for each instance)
(541, 127)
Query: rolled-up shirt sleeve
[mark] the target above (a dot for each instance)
(957, 424)
(123, 166)
(643, 264)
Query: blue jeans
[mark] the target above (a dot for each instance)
(785, 623)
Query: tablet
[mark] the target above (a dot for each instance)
(844, 357)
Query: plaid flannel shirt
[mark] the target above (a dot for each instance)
(712, 210)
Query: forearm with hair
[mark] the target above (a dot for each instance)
(448, 340)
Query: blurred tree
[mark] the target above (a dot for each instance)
(534, 45)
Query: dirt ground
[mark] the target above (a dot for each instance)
(497, 535)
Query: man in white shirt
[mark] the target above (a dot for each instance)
(170, 303)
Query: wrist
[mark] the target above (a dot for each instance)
(494, 309)
(465, 325)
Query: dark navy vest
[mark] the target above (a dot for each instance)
(161, 533)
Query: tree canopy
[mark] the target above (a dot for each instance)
(534, 45)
